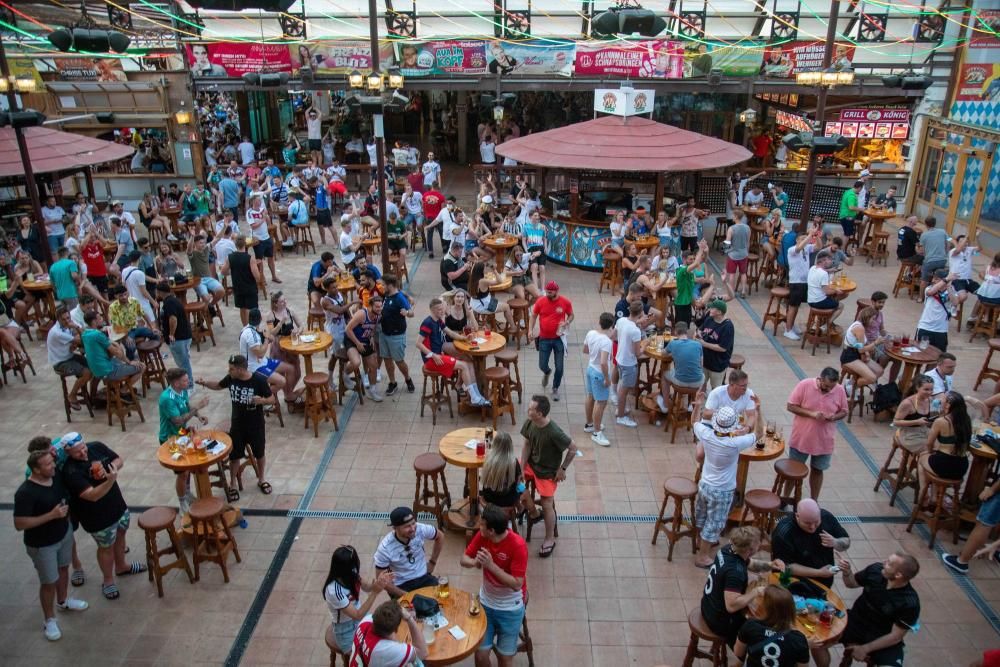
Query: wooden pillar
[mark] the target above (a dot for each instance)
(574, 196)
(88, 174)
(462, 109)
(243, 111)
(657, 196)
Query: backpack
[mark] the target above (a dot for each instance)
(885, 397)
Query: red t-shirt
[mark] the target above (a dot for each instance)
(991, 658)
(93, 258)
(511, 555)
(433, 202)
(761, 145)
(551, 313)
(416, 181)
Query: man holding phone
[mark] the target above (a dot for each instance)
(40, 510)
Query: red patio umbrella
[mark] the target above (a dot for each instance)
(56, 151)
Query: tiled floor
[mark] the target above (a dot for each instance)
(607, 597)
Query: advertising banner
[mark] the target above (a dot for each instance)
(333, 57)
(235, 60)
(980, 38)
(871, 123)
(533, 56)
(22, 68)
(742, 60)
(979, 83)
(623, 101)
(456, 56)
(784, 60)
(793, 121)
(90, 69)
(648, 59)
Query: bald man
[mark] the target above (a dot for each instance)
(806, 542)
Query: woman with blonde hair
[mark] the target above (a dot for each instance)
(771, 640)
(501, 478)
(284, 323)
(857, 353)
(458, 316)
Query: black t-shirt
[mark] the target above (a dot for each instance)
(722, 334)
(449, 265)
(172, 307)
(246, 414)
(393, 321)
(106, 510)
(879, 608)
(727, 573)
(621, 308)
(791, 544)
(767, 648)
(32, 500)
(907, 240)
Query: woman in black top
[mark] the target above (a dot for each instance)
(770, 641)
(947, 448)
(285, 323)
(501, 477)
(29, 238)
(457, 317)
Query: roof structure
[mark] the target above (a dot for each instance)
(614, 143)
(56, 151)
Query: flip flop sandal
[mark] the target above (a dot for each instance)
(77, 578)
(265, 488)
(110, 591)
(135, 568)
(545, 552)
(232, 495)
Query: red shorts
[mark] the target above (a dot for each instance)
(447, 367)
(737, 265)
(546, 487)
(336, 188)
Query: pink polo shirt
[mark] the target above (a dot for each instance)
(812, 436)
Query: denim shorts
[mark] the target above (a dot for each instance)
(343, 632)
(502, 630)
(629, 376)
(106, 537)
(818, 462)
(989, 512)
(206, 285)
(595, 385)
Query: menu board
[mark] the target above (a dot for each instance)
(871, 123)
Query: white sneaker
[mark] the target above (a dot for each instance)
(170, 237)
(555, 394)
(365, 382)
(588, 428)
(72, 604)
(599, 438)
(375, 395)
(660, 403)
(626, 421)
(378, 376)
(792, 335)
(613, 397)
(52, 632)
(481, 402)
(349, 382)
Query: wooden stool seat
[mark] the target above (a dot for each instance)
(931, 506)
(987, 372)
(700, 631)
(789, 476)
(818, 329)
(764, 505)
(753, 271)
(908, 277)
(856, 397)
(201, 323)
(83, 396)
(213, 540)
(498, 386)
(302, 235)
(677, 526)
(436, 395)
(611, 273)
(520, 315)
(149, 355)
(152, 521)
(335, 652)
(880, 252)
(903, 475)
(510, 359)
(121, 401)
(397, 266)
(776, 308)
(431, 494)
(678, 415)
(319, 403)
(316, 319)
(736, 362)
(985, 324)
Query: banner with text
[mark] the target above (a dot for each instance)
(979, 83)
(333, 57)
(533, 56)
(784, 60)
(456, 56)
(90, 69)
(235, 60)
(980, 38)
(648, 59)
(623, 101)
(871, 123)
(701, 59)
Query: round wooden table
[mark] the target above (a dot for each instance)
(500, 244)
(198, 464)
(654, 348)
(45, 302)
(660, 298)
(754, 212)
(318, 341)
(503, 283)
(808, 624)
(371, 245)
(446, 650)
(912, 358)
(646, 241)
(844, 284)
(347, 285)
(983, 458)
(453, 450)
(774, 447)
(180, 289)
(484, 348)
(878, 216)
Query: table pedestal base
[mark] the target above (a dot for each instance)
(231, 515)
(464, 517)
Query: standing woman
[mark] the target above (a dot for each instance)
(947, 448)
(342, 592)
(630, 259)
(770, 640)
(27, 236)
(502, 481)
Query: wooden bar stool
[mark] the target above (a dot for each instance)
(905, 474)
(359, 385)
(908, 277)
(200, 321)
(765, 506)
(678, 489)
(789, 475)
(152, 521)
(856, 397)
(934, 495)
(397, 266)
(212, 538)
(335, 652)
(986, 321)
(227, 289)
(818, 329)
(679, 416)
(431, 494)
(82, 397)
(438, 395)
(17, 364)
(316, 319)
(611, 274)
(721, 227)
(736, 363)
(319, 404)
(303, 237)
(538, 503)
(509, 359)
(753, 272)
(519, 311)
(498, 386)
(776, 308)
(716, 652)
(121, 401)
(881, 251)
(987, 372)
(149, 355)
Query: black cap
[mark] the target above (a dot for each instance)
(401, 516)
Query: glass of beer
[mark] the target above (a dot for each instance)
(770, 429)
(443, 588)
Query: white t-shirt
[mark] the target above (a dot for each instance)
(134, 280)
(722, 456)
(248, 153)
(960, 263)
(387, 652)
(336, 172)
(337, 597)
(446, 217)
(372, 154)
(346, 248)
(669, 264)
(817, 279)
(249, 338)
(934, 317)
(413, 203)
(597, 342)
(487, 150)
(223, 249)
(719, 398)
(260, 219)
(314, 127)
(391, 553)
(798, 264)
(628, 334)
(431, 171)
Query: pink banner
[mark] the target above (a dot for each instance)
(876, 114)
(650, 59)
(235, 60)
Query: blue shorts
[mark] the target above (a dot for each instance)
(819, 461)
(595, 385)
(666, 242)
(618, 242)
(628, 376)
(504, 626)
(989, 512)
(207, 284)
(268, 369)
(829, 303)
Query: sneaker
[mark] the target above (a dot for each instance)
(954, 564)
(626, 421)
(72, 604)
(375, 395)
(614, 396)
(545, 379)
(52, 632)
(555, 394)
(588, 428)
(599, 438)
(171, 238)
(378, 376)
(391, 389)
(481, 402)
(792, 335)
(409, 386)
(660, 403)
(365, 382)
(349, 382)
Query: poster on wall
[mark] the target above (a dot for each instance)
(235, 60)
(90, 69)
(647, 59)
(873, 123)
(456, 56)
(333, 57)
(23, 68)
(533, 56)
(979, 83)
(743, 59)
(980, 37)
(784, 60)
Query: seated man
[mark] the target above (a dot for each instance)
(107, 360)
(431, 343)
(62, 342)
(206, 287)
(686, 370)
(362, 265)
(128, 317)
(737, 395)
(806, 542)
(403, 553)
(374, 643)
(637, 292)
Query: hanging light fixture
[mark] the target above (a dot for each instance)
(395, 78)
(375, 82)
(748, 116)
(809, 78)
(18, 84)
(356, 79)
(182, 115)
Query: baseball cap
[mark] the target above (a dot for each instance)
(718, 304)
(552, 286)
(400, 516)
(725, 420)
(865, 172)
(117, 202)
(69, 440)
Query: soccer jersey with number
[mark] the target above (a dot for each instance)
(727, 573)
(767, 648)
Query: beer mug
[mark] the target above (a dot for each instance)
(443, 590)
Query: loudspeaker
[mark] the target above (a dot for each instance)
(796, 140)
(627, 21)
(85, 39)
(715, 77)
(107, 117)
(916, 82)
(20, 119)
(831, 144)
(269, 80)
(237, 5)
(892, 81)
